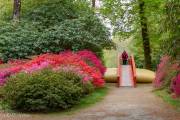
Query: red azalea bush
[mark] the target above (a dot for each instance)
(90, 56)
(60, 61)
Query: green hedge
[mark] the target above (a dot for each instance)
(44, 90)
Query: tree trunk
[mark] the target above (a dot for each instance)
(145, 36)
(93, 3)
(16, 10)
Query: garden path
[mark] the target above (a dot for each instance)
(122, 103)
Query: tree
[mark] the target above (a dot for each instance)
(93, 3)
(145, 36)
(16, 10)
(54, 26)
(128, 19)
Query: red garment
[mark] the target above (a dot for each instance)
(124, 55)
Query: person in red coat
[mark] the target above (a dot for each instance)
(124, 57)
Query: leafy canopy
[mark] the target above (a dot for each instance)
(54, 26)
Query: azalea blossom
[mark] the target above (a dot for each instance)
(66, 61)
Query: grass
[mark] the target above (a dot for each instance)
(168, 98)
(85, 102)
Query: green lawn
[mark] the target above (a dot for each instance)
(85, 102)
(167, 98)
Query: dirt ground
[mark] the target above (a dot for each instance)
(120, 104)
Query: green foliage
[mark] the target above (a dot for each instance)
(153, 13)
(87, 101)
(76, 35)
(54, 26)
(51, 13)
(139, 61)
(6, 8)
(43, 90)
(171, 29)
(163, 26)
(122, 16)
(88, 88)
(110, 57)
(17, 41)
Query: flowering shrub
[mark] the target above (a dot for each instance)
(90, 56)
(63, 61)
(75, 69)
(168, 75)
(175, 81)
(175, 85)
(161, 72)
(7, 72)
(16, 62)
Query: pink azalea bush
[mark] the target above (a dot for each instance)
(4, 73)
(161, 72)
(75, 69)
(175, 85)
(168, 75)
(175, 81)
(63, 61)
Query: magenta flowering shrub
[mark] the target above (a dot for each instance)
(175, 81)
(36, 66)
(168, 75)
(66, 61)
(90, 56)
(4, 73)
(175, 85)
(75, 69)
(162, 70)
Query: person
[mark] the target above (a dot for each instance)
(124, 57)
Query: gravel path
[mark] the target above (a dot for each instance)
(120, 104)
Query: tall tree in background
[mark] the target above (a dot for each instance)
(145, 36)
(16, 9)
(93, 3)
(125, 16)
